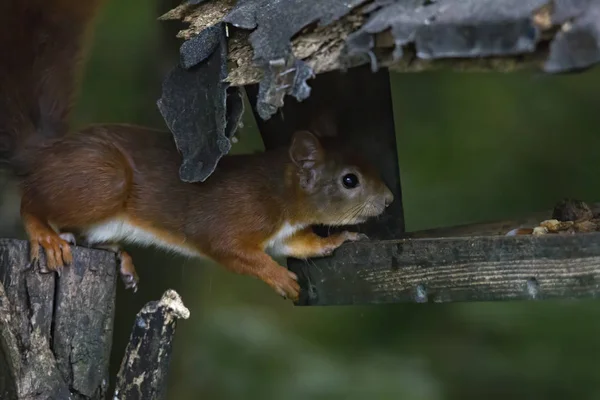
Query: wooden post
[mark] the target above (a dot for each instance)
(55, 333)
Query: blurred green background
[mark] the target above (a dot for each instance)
(472, 147)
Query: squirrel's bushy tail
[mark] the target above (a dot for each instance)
(42, 44)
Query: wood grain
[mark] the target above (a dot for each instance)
(454, 270)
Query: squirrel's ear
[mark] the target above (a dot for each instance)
(306, 150)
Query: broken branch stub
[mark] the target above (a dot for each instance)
(144, 369)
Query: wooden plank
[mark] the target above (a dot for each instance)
(454, 270)
(363, 120)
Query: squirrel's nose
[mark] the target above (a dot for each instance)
(388, 197)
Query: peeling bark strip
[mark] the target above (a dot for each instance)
(55, 333)
(454, 269)
(143, 372)
(201, 111)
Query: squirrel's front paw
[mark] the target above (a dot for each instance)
(337, 240)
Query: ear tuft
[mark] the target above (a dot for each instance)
(306, 150)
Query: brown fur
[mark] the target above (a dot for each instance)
(42, 44)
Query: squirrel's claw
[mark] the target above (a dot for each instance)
(57, 250)
(285, 283)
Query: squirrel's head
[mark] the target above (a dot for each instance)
(338, 188)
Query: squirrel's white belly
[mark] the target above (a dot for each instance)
(119, 230)
(276, 246)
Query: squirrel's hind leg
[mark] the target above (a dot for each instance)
(127, 270)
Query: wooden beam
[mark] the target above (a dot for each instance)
(354, 107)
(454, 270)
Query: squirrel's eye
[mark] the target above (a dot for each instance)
(350, 181)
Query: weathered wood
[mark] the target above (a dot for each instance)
(363, 120)
(10, 361)
(143, 372)
(454, 269)
(55, 332)
(322, 47)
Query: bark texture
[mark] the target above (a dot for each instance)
(55, 332)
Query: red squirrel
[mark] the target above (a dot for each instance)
(117, 183)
